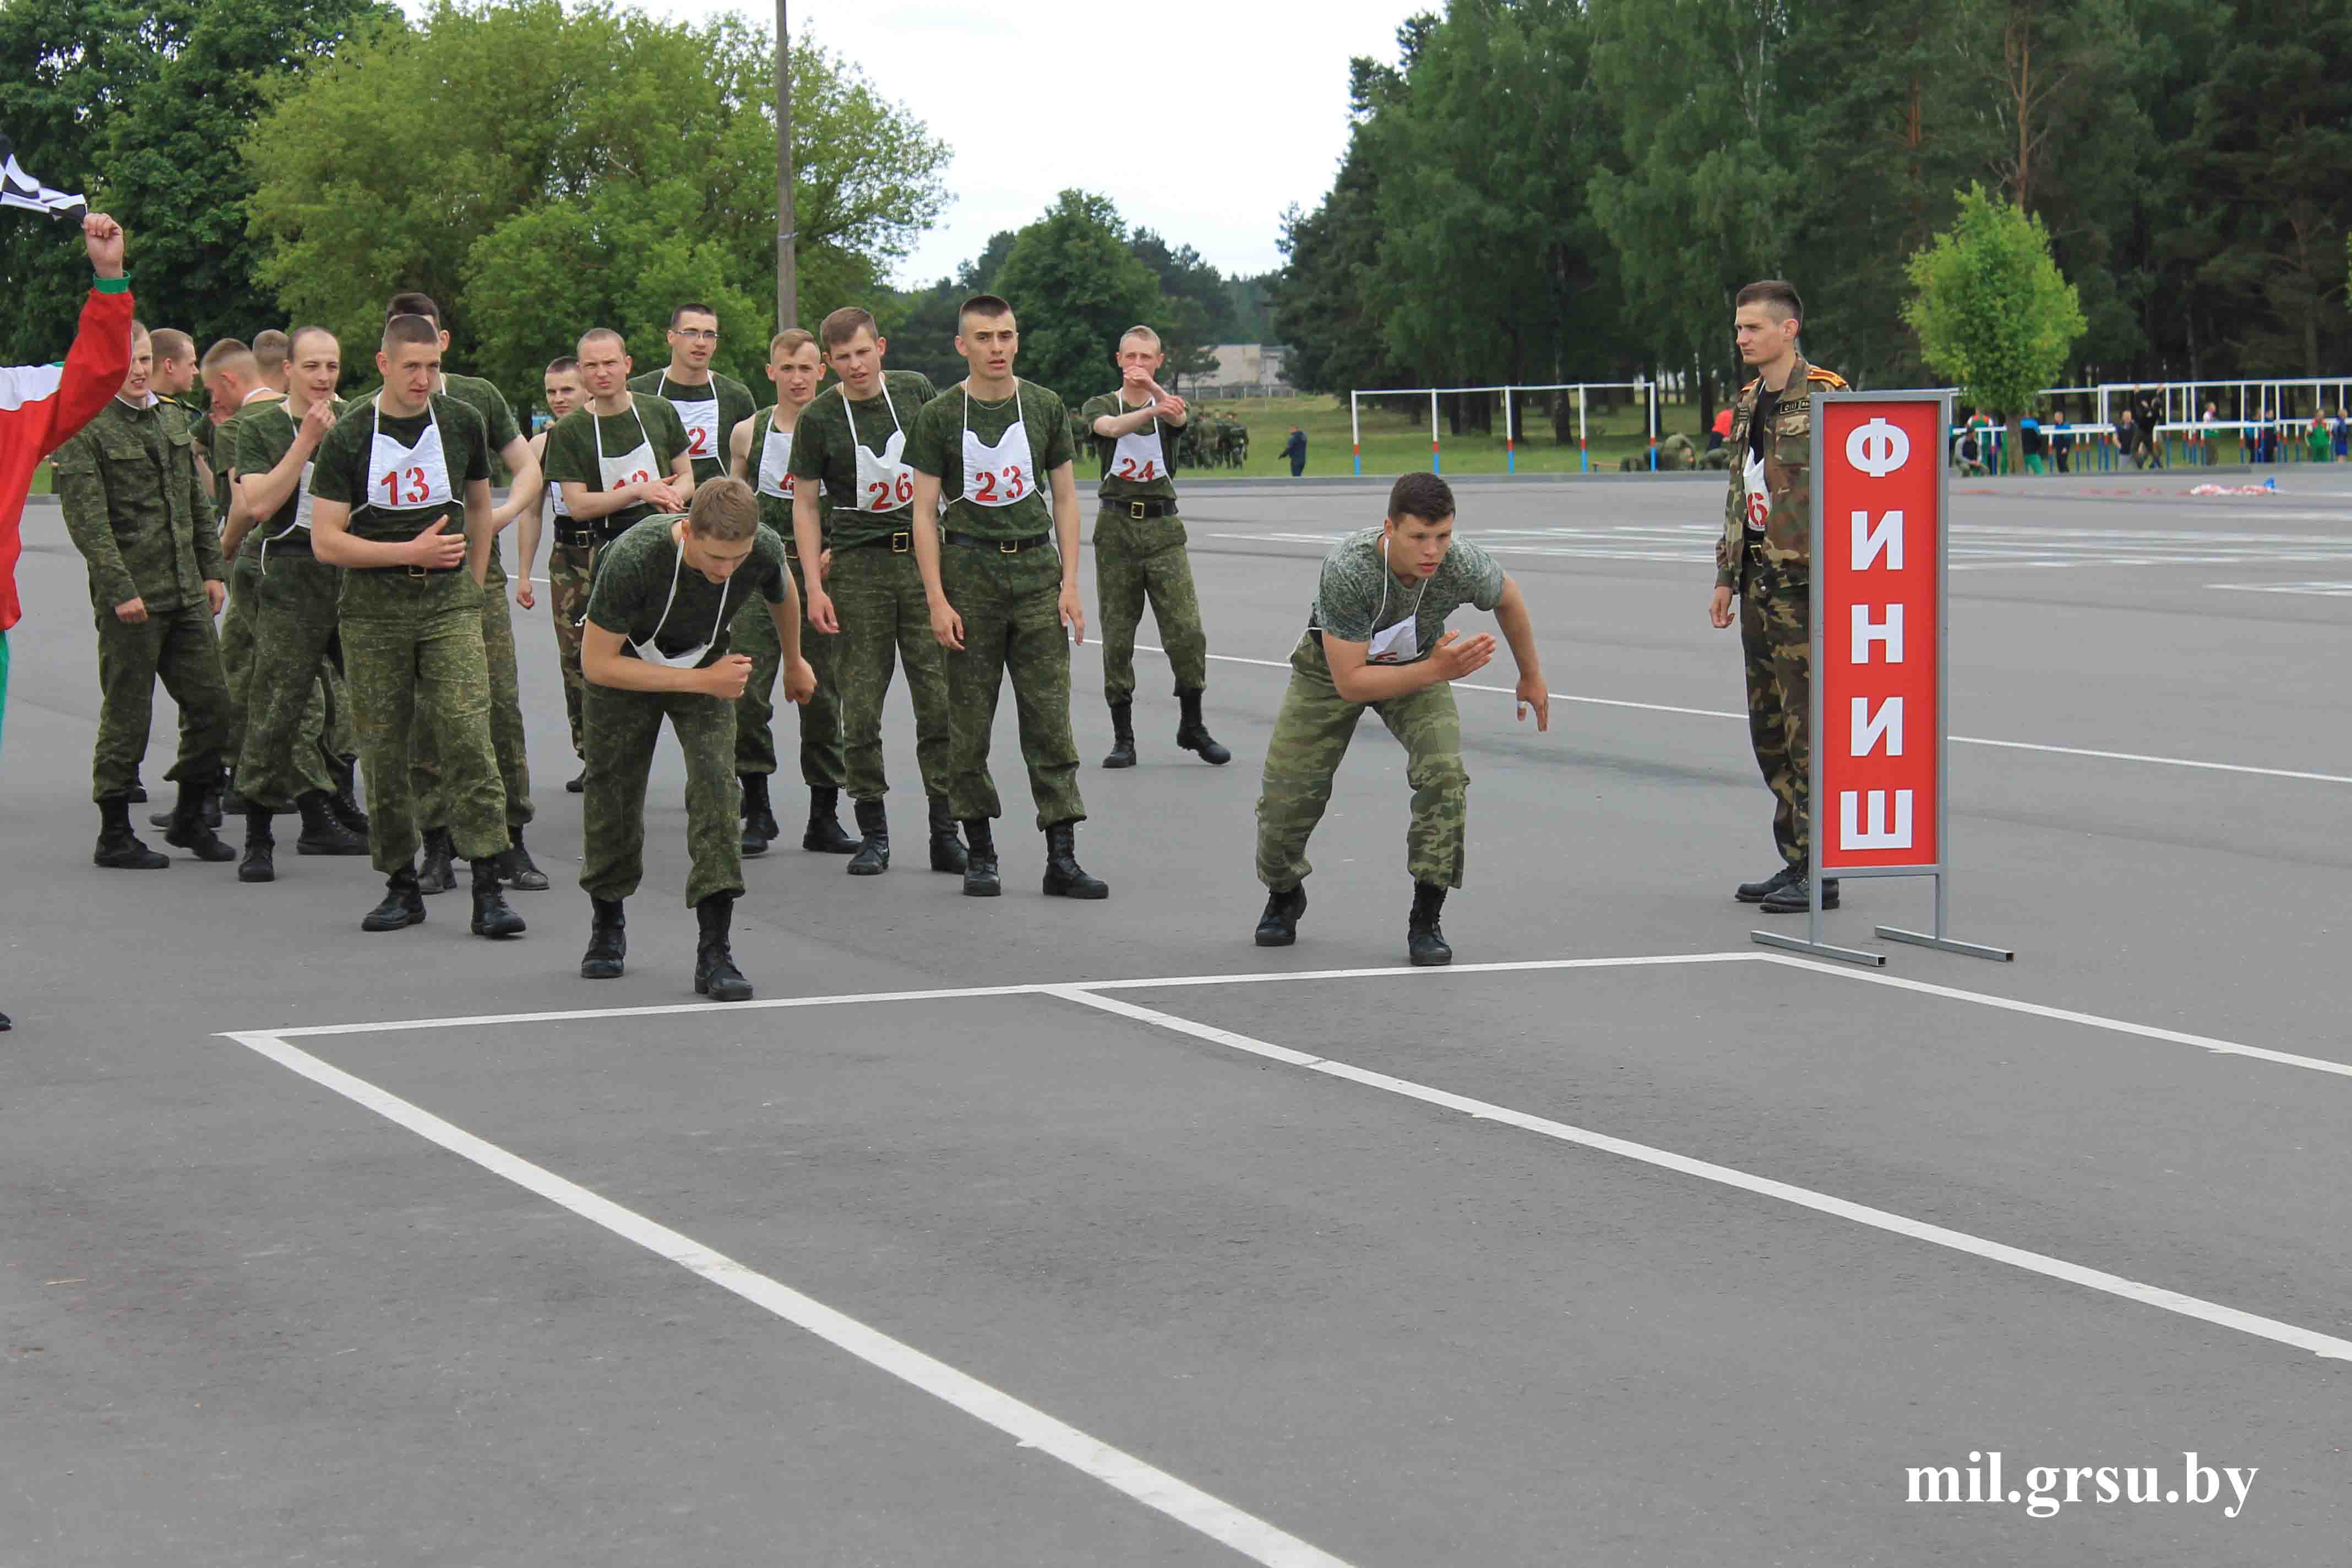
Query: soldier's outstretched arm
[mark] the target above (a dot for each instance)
(1519, 631)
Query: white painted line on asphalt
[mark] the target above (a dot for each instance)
(1188, 1505)
(1962, 740)
(2063, 1015)
(2156, 1295)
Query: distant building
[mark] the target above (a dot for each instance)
(1243, 370)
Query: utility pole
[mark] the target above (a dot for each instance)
(788, 279)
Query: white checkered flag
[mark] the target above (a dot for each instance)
(18, 189)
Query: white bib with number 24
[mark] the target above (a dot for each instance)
(1139, 455)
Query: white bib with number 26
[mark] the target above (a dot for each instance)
(1003, 474)
(405, 479)
(888, 482)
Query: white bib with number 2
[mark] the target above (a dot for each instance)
(1003, 474)
(406, 479)
(701, 418)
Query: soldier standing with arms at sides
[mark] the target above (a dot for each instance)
(567, 556)
(1376, 638)
(759, 453)
(1001, 578)
(139, 516)
(710, 406)
(172, 378)
(1764, 559)
(656, 646)
(384, 485)
(1139, 549)
(511, 457)
(867, 604)
(294, 622)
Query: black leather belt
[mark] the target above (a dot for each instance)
(1002, 546)
(1141, 509)
(577, 538)
(792, 546)
(900, 543)
(416, 572)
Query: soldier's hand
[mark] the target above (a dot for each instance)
(1074, 613)
(666, 497)
(728, 677)
(523, 595)
(131, 611)
(1171, 408)
(946, 626)
(820, 611)
(215, 593)
(102, 237)
(799, 681)
(1718, 609)
(1456, 656)
(319, 419)
(437, 550)
(1532, 694)
(824, 564)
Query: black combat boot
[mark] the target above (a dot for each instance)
(579, 782)
(491, 916)
(4, 1024)
(872, 857)
(1122, 736)
(1757, 892)
(946, 849)
(1064, 877)
(824, 835)
(981, 880)
(715, 975)
(219, 799)
(608, 941)
(189, 830)
(1192, 735)
(321, 833)
(346, 800)
(1424, 941)
(138, 796)
(260, 862)
(760, 826)
(1278, 927)
(119, 849)
(1795, 898)
(403, 903)
(516, 868)
(440, 873)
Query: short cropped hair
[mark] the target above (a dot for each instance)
(596, 333)
(791, 340)
(170, 342)
(270, 349)
(847, 323)
(404, 330)
(1781, 297)
(692, 309)
(562, 364)
(1422, 496)
(987, 307)
(294, 338)
(1139, 331)
(412, 304)
(726, 510)
(139, 330)
(222, 352)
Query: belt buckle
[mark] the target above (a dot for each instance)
(1135, 510)
(1008, 547)
(792, 549)
(417, 573)
(902, 542)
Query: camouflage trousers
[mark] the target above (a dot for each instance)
(1137, 559)
(754, 634)
(622, 728)
(886, 622)
(567, 600)
(325, 736)
(1310, 736)
(412, 657)
(180, 647)
(506, 721)
(1778, 649)
(294, 635)
(1011, 626)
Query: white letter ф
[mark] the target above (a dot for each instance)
(1851, 832)
(1866, 631)
(1878, 448)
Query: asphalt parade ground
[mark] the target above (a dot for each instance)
(1031, 1232)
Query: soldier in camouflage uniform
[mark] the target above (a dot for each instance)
(1001, 577)
(173, 379)
(568, 552)
(137, 512)
(868, 603)
(384, 485)
(1139, 549)
(656, 647)
(1376, 638)
(1764, 560)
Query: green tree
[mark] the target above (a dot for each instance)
(978, 276)
(1198, 306)
(1075, 285)
(540, 172)
(1992, 309)
(1324, 307)
(920, 328)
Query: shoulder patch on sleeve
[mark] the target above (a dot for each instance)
(1829, 378)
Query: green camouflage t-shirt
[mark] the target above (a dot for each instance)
(341, 468)
(936, 448)
(821, 450)
(573, 446)
(1358, 596)
(633, 596)
(705, 443)
(1153, 479)
(259, 439)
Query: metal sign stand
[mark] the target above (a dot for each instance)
(1940, 871)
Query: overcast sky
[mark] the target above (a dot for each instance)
(1202, 120)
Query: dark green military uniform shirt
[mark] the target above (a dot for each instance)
(821, 450)
(259, 439)
(572, 448)
(1359, 596)
(644, 589)
(776, 511)
(343, 467)
(135, 509)
(706, 444)
(936, 448)
(1128, 480)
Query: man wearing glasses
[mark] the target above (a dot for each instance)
(709, 405)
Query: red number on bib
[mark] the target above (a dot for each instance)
(419, 492)
(877, 496)
(390, 483)
(987, 490)
(1126, 468)
(639, 478)
(1148, 470)
(905, 487)
(788, 486)
(697, 435)
(1013, 485)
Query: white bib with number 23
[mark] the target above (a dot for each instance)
(1005, 473)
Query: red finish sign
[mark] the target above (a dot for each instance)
(1877, 561)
